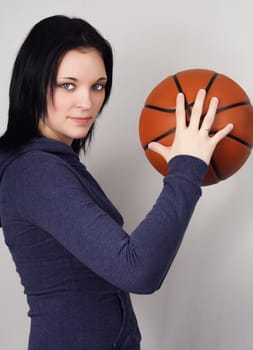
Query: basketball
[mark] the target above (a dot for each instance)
(158, 121)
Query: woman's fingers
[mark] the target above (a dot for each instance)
(219, 135)
(197, 109)
(193, 140)
(210, 116)
(180, 111)
(209, 119)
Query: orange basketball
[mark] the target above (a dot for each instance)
(158, 121)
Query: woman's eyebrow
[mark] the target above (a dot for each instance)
(75, 79)
(69, 78)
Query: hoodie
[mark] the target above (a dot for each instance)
(75, 261)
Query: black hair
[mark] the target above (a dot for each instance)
(35, 70)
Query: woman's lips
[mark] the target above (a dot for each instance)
(83, 121)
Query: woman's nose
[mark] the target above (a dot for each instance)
(84, 99)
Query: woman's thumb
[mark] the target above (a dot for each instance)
(160, 149)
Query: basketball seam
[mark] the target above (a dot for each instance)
(160, 109)
(234, 105)
(221, 109)
(211, 81)
(171, 131)
(179, 87)
(216, 170)
(235, 138)
(160, 137)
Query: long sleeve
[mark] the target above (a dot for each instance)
(45, 193)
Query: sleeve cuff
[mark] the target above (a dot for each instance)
(192, 168)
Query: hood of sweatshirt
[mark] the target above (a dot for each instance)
(42, 144)
(64, 151)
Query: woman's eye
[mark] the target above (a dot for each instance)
(67, 86)
(98, 87)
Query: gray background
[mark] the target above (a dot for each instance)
(206, 300)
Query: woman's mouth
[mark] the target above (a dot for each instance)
(83, 121)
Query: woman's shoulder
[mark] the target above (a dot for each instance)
(34, 159)
(36, 166)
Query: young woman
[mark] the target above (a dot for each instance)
(76, 263)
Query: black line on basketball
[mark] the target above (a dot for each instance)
(235, 138)
(160, 109)
(243, 142)
(216, 169)
(219, 110)
(179, 87)
(158, 138)
(211, 81)
(234, 105)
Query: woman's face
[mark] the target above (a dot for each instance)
(77, 97)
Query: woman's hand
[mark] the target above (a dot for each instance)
(193, 140)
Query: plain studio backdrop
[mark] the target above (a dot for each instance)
(206, 300)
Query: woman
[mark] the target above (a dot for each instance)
(76, 263)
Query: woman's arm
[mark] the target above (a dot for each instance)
(48, 195)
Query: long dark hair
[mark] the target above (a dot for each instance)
(35, 70)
